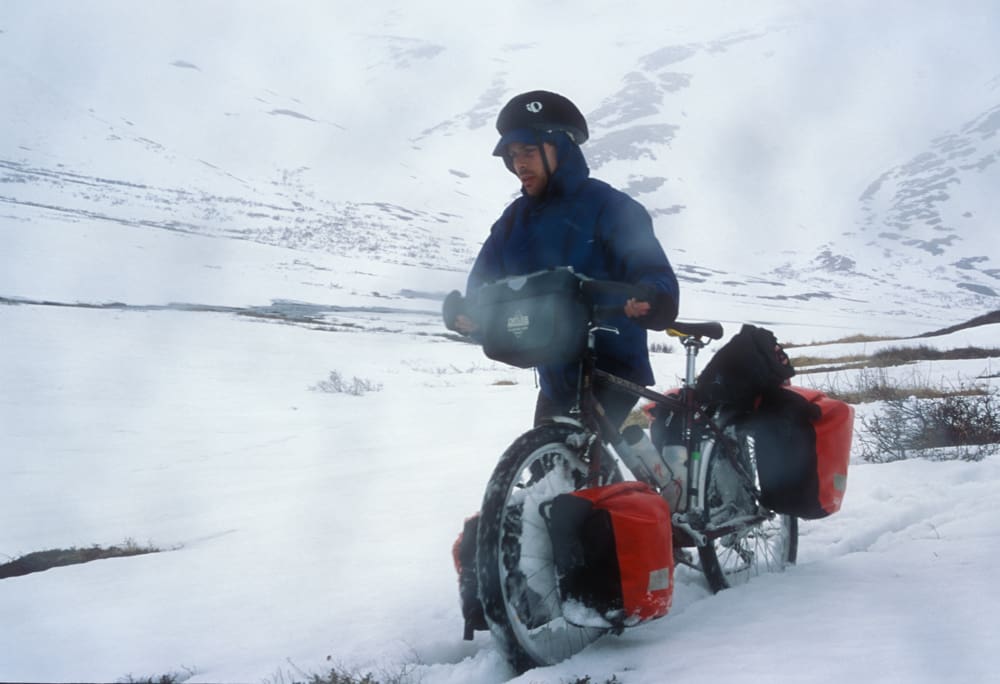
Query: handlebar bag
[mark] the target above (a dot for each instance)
(802, 441)
(535, 319)
(613, 554)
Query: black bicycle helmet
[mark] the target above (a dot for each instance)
(540, 111)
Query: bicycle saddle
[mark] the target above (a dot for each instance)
(712, 330)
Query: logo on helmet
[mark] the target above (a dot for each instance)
(534, 107)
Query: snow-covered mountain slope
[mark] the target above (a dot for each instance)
(931, 203)
(835, 159)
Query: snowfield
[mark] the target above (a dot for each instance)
(299, 525)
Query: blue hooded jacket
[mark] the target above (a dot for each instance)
(600, 232)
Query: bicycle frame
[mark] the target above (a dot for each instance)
(701, 435)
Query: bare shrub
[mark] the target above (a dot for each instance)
(39, 561)
(168, 678)
(955, 427)
(875, 384)
(843, 340)
(890, 356)
(335, 384)
(339, 674)
(897, 356)
(803, 363)
(661, 348)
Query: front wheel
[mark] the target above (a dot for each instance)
(514, 562)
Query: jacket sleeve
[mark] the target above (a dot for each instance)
(489, 262)
(638, 258)
(487, 268)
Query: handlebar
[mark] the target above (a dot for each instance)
(591, 287)
(599, 295)
(711, 329)
(513, 317)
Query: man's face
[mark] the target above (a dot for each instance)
(528, 165)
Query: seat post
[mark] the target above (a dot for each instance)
(691, 344)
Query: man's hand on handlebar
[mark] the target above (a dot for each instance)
(454, 315)
(464, 324)
(635, 308)
(656, 310)
(646, 305)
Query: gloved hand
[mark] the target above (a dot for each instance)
(661, 313)
(454, 306)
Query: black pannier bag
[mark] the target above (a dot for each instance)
(746, 367)
(535, 319)
(802, 444)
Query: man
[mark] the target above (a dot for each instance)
(566, 218)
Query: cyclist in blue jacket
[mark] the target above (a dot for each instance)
(566, 218)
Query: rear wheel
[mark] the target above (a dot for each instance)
(514, 563)
(768, 544)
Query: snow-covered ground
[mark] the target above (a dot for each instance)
(304, 528)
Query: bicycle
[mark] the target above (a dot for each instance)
(719, 514)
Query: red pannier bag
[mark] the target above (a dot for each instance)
(463, 553)
(613, 553)
(802, 441)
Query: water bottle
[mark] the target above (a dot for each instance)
(633, 461)
(666, 469)
(643, 450)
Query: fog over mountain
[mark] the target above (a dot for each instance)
(841, 155)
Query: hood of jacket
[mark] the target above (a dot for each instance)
(571, 168)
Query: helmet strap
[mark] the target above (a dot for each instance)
(545, 161)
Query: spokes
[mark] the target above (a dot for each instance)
(760, 549)
(527, 566)
(754, 540)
